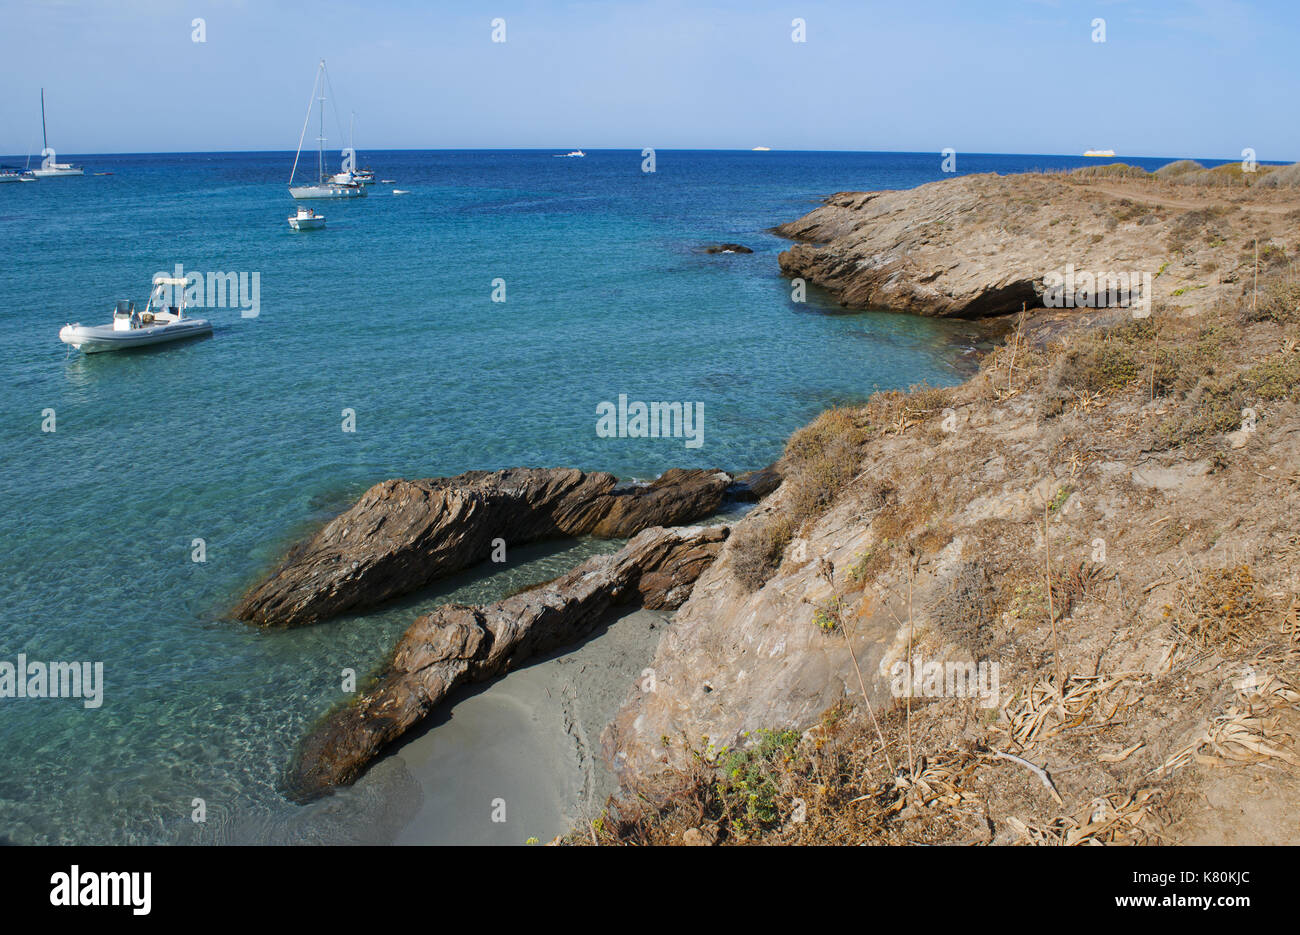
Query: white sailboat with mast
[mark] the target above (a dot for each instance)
(49, 168)
(350, 173)
(326, 187)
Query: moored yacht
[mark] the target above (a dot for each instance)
(326, 186)
(49, 168)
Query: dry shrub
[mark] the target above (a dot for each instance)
(967, 611)
(819, 462)
(1113, 170)
(1102, 361)
(1216, 404)
(1284, 177)
(1191, 223)
(1221, 610)
(911, 519)
(1213, 408)
(1078, 582)
(1179, 167)
(834, 775)
(1278, 301)
(820, 459)
(1182, 359)
(757, 548)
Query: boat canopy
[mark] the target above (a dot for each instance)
(161, 280)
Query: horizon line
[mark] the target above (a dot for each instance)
(637, 149)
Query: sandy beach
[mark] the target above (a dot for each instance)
(529, 739)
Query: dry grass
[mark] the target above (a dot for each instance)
(827, 786)
(1113, 170)
(819, 463)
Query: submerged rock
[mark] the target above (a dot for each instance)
(457, 644)
(402, 535)
(727, 248)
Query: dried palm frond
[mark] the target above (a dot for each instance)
(1038, 715)
(1115, 819)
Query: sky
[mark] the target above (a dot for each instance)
(1197, 78)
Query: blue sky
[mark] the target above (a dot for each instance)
(1173, 78)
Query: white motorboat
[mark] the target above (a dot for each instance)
(49, 168)
(9, 175)
(157, 324)
(577, 153)
(327, 186)
(306, 220)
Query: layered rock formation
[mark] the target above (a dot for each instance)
(401, 535)
(979, 245)
(457, 644)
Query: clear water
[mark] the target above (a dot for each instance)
(237, 439)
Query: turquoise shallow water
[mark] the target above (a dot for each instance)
(237, 439)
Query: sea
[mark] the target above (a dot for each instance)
(478, 319)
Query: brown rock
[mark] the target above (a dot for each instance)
(678, 496)
(458, 643)
(755, 485)
(402, 535)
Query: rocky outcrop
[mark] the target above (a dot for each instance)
(969, 247)
(736, 661)
(457, 644)
(677, 496)
(402, 535)
(753, 486)
(727, 248)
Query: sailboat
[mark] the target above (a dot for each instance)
(49, 168)
(359, 176)
(326, 186)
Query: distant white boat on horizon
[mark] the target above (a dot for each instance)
(577, 153)
(761, 149)
(401, 191)
(330, 187)
(1099, 152)
(51, 169)
(129, 329)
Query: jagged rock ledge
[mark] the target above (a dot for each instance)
(403, 534)
(457, 644)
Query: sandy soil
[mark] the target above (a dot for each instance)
(528, 739)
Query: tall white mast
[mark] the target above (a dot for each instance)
(320, 156)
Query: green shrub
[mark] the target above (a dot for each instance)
(748, 787)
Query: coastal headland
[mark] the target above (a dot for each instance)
(1104, 511)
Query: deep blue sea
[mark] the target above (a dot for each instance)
(238, 440)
